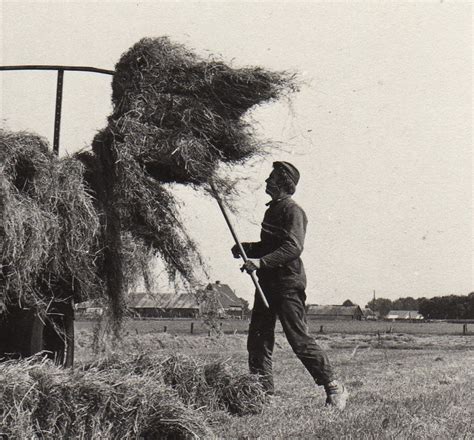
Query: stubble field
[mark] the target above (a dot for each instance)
(412, 384)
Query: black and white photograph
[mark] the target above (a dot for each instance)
(236, 219)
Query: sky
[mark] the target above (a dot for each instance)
(381, 130)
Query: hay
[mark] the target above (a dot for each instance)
(39, 400)
(206, 385)
(122, 397)
(213, 385)
(49, 229)
(181, 115)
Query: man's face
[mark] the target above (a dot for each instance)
(272, 188)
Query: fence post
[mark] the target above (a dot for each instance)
(192, 327)
(464, 329)
(165, 328)
(321, 329)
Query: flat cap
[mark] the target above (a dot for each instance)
(290, 170)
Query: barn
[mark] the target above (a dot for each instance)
(347, 313)
(404, 315)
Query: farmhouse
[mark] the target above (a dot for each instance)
(403, 315)
(348, 313)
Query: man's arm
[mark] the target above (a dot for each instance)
(252, 250)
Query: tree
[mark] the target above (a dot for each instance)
(407, 303)
(348, 303)
(380, 305)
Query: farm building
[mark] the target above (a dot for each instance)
(368, 314)
(404, 315)
(164, 305)
(185, 305)
(334, 312)
(229, 304)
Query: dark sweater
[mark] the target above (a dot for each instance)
(280, 246)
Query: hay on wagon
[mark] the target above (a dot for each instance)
(50, 228)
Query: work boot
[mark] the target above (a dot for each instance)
(337, 395)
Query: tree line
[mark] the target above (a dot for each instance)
(438, 307)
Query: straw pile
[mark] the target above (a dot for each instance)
(176, 118)
(212, 386)
(44, 401)
(49, 229)
(121, 398)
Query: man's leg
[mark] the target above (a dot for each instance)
(260, 342)
(291, 311)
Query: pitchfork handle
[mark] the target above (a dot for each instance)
(239, 244)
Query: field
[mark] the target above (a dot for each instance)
(183, 326)
(410, 381)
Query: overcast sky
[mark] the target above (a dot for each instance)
(381, 133)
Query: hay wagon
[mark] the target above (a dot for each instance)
(23, 332)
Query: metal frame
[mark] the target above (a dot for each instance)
(59, 89)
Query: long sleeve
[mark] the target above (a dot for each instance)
(293, 231)
(253, 250)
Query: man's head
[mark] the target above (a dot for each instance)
(282, 180)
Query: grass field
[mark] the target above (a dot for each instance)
(416, 384)
(183, 326)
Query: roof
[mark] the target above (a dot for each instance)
(404, 314)
(333, 310)
(87, 305)
(368, 312)
(227, 297)
(162, 301)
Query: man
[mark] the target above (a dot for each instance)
(276, 258)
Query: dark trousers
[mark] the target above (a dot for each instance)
(289, 307)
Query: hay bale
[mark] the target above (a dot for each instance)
(49, 230)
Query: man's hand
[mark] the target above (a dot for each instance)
(250, 265)
(235, 251)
